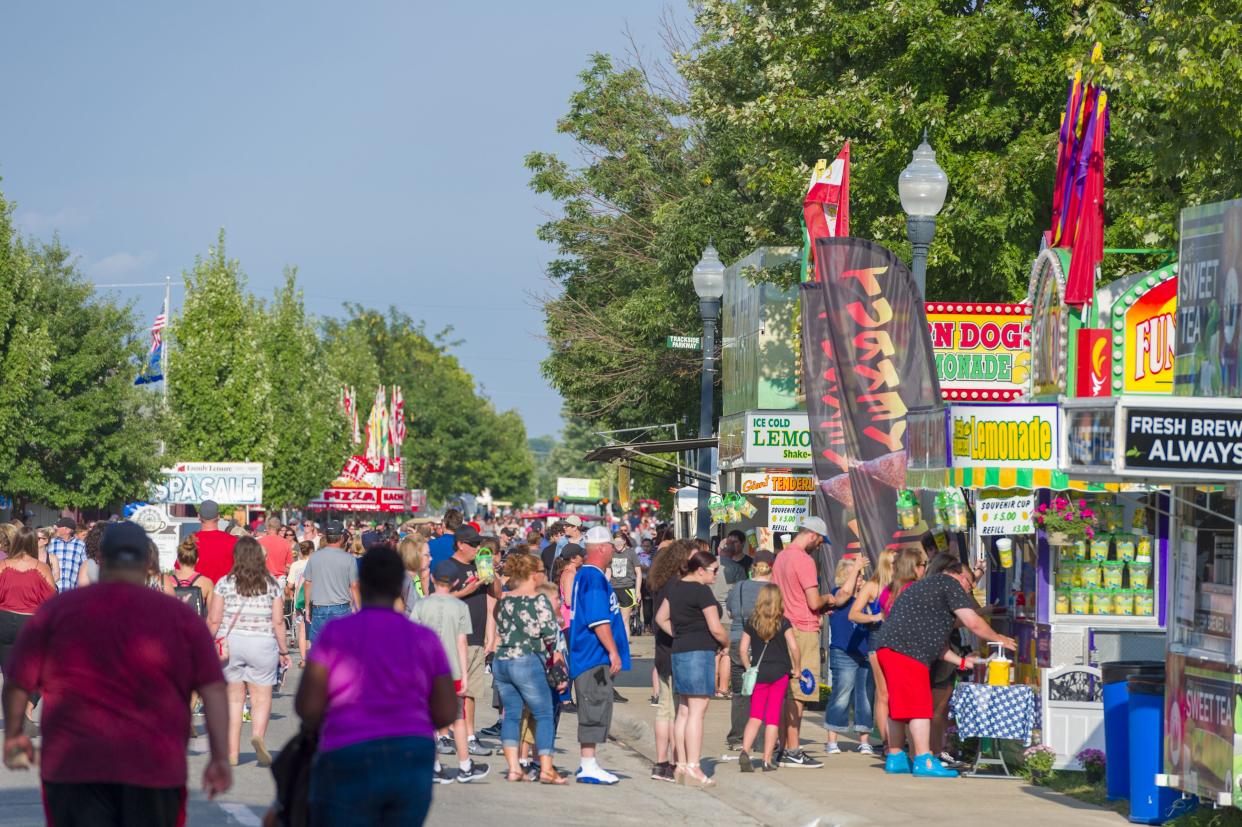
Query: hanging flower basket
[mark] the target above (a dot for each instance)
(1064, 522)
(1058, 538)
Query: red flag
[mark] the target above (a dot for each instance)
(1088, 241)
(826, 206)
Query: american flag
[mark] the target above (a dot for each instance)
(153, 368)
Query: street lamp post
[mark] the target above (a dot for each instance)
(708, 278)
(922, 187)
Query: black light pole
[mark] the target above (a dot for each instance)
(708, 278)
(922, 186)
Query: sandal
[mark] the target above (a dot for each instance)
(724, 696)
(515, 777)
(695, 777)
(552, 778)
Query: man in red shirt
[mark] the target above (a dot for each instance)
(795, 574)
(279, 550)
(116, 665)
(215, 547)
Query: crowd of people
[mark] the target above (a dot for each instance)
(404, 634)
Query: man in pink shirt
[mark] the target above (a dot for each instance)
(794, 573)
(279, 550)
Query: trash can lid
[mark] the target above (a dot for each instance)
(1121, 670)
(1146, 685)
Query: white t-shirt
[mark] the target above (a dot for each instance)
(253, 614)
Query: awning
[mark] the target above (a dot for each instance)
(608, 453)
(640, 456)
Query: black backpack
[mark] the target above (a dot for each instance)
(291, 771)
(191, 595)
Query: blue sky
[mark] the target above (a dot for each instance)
(376, 146)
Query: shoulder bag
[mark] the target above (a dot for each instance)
(222, 643)
(751, 676)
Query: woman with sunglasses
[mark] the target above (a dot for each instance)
(692, 616)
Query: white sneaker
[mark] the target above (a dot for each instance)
(866, 749)
(599, 775)
(831, 748)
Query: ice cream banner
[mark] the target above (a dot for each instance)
(982, 351)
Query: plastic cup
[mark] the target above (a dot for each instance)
(1078, 549)
(1113, 573)
(1123, 602)
(1063, 602)
(1089, 574)
(1145, 602)
(1140, 575)
(1099, 548)
(1125, 548)
(1102, 602)
(1111, 518)
(1142, 549)
(1080, 602)
(1004, 548)
(1066, 575)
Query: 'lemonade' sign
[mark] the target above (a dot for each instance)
(1014, 436)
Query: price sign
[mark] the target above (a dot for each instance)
(1001, 516)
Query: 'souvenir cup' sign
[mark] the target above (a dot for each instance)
(1184, 440)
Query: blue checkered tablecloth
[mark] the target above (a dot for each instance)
(983, 711)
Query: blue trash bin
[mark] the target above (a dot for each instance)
(1116, 720)
(1149, 804)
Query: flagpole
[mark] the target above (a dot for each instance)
(165, 344)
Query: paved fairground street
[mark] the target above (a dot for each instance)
(841, 793)
(667, 412)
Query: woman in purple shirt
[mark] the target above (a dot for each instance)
(376, 688)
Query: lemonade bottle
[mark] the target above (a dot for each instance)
(485, 565)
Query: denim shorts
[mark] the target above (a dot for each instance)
(694, 673)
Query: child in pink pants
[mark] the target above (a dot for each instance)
(768, 644)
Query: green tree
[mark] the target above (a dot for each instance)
(25, 347)
(634, 219)
(218, 383)
(310, 431)
(89, 434)
(456, 442)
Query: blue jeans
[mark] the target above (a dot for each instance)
(382, 782)
(320, 615)
(523, 682)
(851, 681)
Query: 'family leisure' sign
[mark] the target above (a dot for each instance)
(234, 483)
(1184, 441)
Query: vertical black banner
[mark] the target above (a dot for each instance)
(868, 362)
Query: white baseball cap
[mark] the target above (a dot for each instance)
(574, 520)
(599, 534)
(814, 524)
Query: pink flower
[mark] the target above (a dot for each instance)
(1087, 513)
(1042, 507)
(1082, 504)
(1090, 533)
(1061, 503)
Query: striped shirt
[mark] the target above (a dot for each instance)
(70, 554)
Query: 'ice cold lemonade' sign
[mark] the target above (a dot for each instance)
(1184, 441)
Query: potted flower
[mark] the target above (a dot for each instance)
(1039, 762)
(1064, 522)
(1093, 762)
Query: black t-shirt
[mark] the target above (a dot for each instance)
(922, 617)
(476, 602)
(776, 660)
(663, 642)
(687, 600)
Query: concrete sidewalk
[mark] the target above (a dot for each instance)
(850, 789)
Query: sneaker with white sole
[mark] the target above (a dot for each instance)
(599, 775)
(445, 745)
(443, 776)
(475, 748)
(798, 758)
(832, 748)
(475, 772)
(866, 749)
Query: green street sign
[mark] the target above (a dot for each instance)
(684, 342)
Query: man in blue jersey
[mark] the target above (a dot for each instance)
(598, 650)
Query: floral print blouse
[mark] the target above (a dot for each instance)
(525, 626)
